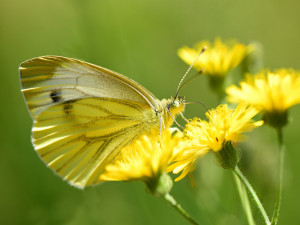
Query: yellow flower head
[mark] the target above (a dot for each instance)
(224, 125)
(268, 91)
(145, 159)
(218, 58)
(272, 92)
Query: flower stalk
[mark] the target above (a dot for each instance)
(244, 199)
(171, 200)
(252, 192)
(279, 192)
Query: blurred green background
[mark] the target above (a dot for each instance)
(140, 39)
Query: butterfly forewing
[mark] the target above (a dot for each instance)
(50, 80)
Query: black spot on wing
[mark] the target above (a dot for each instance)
(68, 106)
(55, 95)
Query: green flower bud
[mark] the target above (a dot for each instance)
(228, 156)
(161, 185)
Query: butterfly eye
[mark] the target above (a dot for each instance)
(176, 103)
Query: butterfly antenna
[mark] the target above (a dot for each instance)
(188, 70)
(201, 103)
(190, 79)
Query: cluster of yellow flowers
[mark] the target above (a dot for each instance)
(270, 93)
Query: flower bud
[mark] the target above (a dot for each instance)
(228, 156)
(160, 185)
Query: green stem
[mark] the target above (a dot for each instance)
(170, 199)
(245, 200)
(279, 192)
(253, 194)
(217, 84)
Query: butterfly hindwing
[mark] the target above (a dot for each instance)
(78, 142)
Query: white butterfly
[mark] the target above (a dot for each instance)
(85, 114)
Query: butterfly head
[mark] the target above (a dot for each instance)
(174, 106)
(177, 105)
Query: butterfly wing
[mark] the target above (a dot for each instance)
(83, 115)
(49, 80)
(78, 138)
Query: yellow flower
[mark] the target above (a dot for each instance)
(272, 92)
(218, 58)
(146, 159)
(224, 126)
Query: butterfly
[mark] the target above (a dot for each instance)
(83, 114)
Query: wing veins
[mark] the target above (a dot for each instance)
(78, 153)
(62, 145)
(109, 155)
(83, 137)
